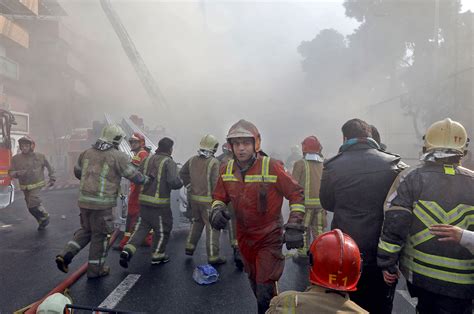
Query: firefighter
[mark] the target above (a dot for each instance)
(28, 167)
(438, 191)
(335, 270)
(137, 145)
(155, 205)
(256, 185)
(354, 185)
(307, 171)
(201, 173)
(100, 170)
(232, 228)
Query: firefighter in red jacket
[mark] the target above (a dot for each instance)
(137, 145)
(256, 185)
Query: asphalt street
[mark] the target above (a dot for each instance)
(28, 270)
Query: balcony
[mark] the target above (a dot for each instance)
(26, 7)
(13, 32)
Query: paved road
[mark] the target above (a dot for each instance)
(28, 271)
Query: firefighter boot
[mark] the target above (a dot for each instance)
(159, 258)
(43, 222)
(239, 264)
(104, 271)
(189, 249)
(126, 255)
(63, 261)
(265, 292)
(216, 260)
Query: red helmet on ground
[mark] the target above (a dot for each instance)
(138, 137)
(27, 139)
(311, 145)
(245, 128)
(335, 261)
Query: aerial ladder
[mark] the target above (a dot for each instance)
(147, 80)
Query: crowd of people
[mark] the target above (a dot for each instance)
(388, 219)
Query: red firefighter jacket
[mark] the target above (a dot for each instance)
(137, 160)
(257, 197)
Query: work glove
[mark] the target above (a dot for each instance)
(219, 217)
(294, 236)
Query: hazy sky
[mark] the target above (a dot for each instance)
(215, 61)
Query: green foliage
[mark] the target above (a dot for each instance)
(417, 53)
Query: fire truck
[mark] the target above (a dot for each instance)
(13, 125)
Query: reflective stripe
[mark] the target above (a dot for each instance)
(98, 200)
(439, 260)
(75, 244)
(160, 234)
(312, 202)
(260, 178)
(297, 208)
(265, 174)
(217, 203)
(420, 237)
(229, 176)
(102, 179)
(94, 261)
(32, 186)
(85, 165)
(155, 199)
(202, 199)
(449, 169)
(462, 279)
(389, 247)
(443, 217)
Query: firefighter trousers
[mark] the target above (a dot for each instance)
(33, 203)
(201, 212)
(96, 227)
(314, 221)
(433, 303)
(160, 219)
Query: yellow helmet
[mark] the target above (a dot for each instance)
(209, 142)
(112, 134)
(446, 134)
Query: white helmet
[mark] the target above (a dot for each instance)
(54, 304)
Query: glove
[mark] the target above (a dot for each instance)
(51, 182)
(294, 236)
(219, 218)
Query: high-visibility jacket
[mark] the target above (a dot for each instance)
(163, 172)
(202, 174)
(33, 164)
(308, 174)
(257, 196)
(100, 172)
(431, 193)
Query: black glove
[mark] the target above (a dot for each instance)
(294, 236)
(219, 218)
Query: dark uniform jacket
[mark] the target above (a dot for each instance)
(354, 186)
(429, 194)
(163, 172)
